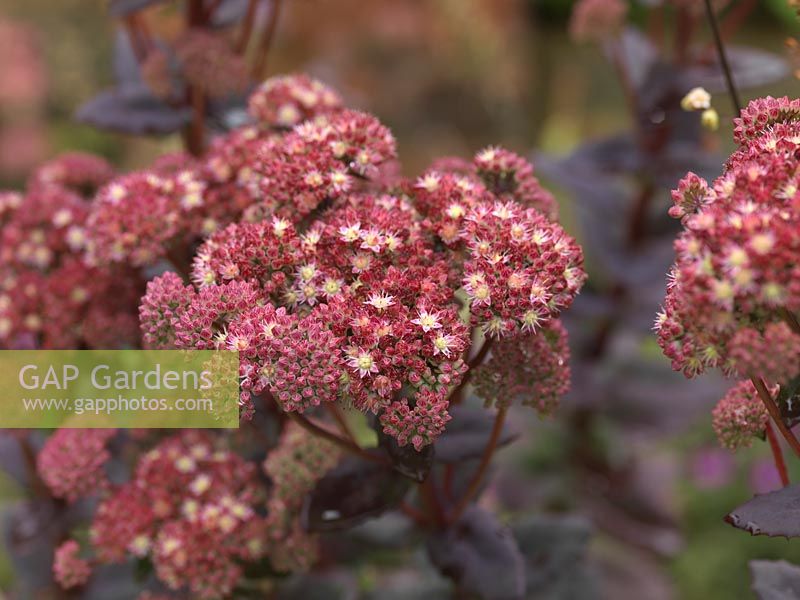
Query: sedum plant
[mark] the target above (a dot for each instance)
(346, 289)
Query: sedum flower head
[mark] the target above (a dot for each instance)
(69, 569)
(288, 100)
(733, 288)
(740, 416)
(533, 369)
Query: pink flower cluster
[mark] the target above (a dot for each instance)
(533, 369)
(339, 283)
(72, 462)
(190, 508)
(289, 100)
(50, 296)
(734, 288)
(69, 569)
(208, 62)
(257, 171)
(740, 416)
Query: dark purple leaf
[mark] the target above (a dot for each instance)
(134, 111)
(751, 68)
(481, 556)
(466, 435)
(122, 8)
(229, 113)
(32, 530)
(354, 491)
(554, 549)
(640, 55)
(775, 579)
(126, 68)
(776, 514)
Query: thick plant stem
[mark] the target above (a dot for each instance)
(194, 134)
(195, 137)
(723, 57)
(486, 459)
(775, 413)
(346, 445)
(777, 455)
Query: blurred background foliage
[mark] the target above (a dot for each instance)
(448, 77)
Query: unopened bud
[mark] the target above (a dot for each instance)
(710, 119)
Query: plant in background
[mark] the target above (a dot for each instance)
(626, 402)
(732, 298)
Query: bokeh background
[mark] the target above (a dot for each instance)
(629, 468)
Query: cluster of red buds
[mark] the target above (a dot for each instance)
(734, 290)
(50, 296)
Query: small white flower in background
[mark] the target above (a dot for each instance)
(697, 99)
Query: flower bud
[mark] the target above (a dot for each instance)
(710, 119)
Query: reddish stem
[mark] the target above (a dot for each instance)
(195, 15)
(775, 413)
(260, 67)
(429, 496)
(134, 35)
(477, 478)
(684, 28)
(347, 445)
(449, 476)
(412, 513)
(247, 27)
(29, 456)
(790, 319)
(637, 224)
(777, 455)
(195, 138)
